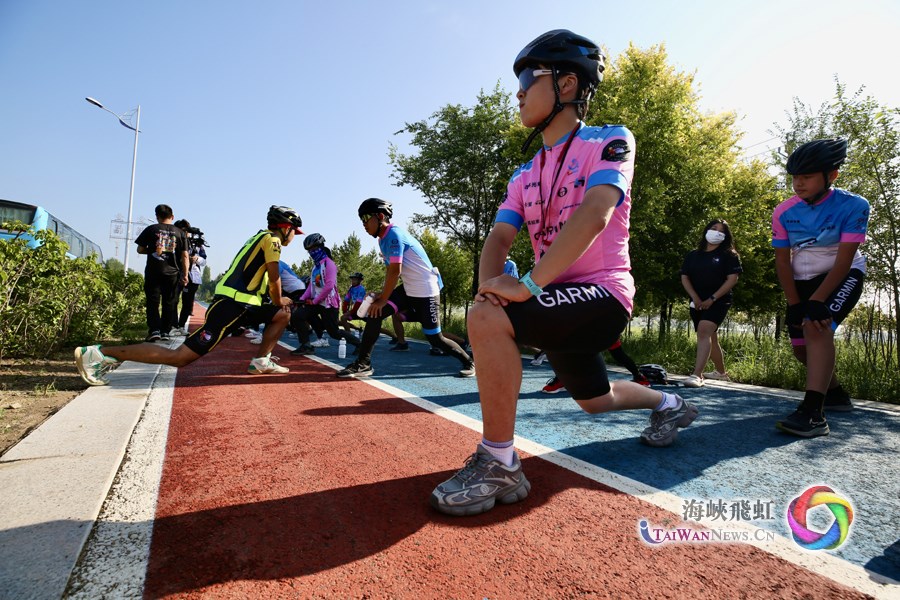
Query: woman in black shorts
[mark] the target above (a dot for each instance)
(708, 274)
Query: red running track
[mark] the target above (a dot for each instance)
(306, 486)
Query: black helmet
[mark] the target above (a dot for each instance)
(817, 156)
(313, 240)
(284, 215)
(356, 275)
(372, 206)
(564, 49)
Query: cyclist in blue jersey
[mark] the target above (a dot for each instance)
(816, 235)
(418, 298)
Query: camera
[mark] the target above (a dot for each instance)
(195, 237)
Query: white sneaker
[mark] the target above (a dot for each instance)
(320, 343)
(717, 376)
(266, 364)
(539, 359)
(693, 381)
(257, 340)
(93, 364)
(251, 333)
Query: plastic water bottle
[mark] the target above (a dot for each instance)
(363, 309)
(342, 348)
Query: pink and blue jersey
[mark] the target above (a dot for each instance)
(813, 233)
(356, 293)
(420, 278)
(596, 156)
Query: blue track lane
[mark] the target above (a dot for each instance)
(731, 452)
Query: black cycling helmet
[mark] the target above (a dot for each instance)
(357, 275)
(313, 240)
(372, 206)
(284, 215)
(564, 52)
(817, 156)
(567, 51)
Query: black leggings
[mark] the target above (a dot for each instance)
(187, 303)
(306, 317)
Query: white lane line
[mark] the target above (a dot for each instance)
(836, 569)
(114, 561)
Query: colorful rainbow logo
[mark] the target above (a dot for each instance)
(813, 540)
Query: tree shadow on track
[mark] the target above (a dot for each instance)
(311, 533)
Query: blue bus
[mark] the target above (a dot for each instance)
(39, 218)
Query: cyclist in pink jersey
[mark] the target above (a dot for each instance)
(574, 198)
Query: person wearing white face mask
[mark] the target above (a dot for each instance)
(708, 275)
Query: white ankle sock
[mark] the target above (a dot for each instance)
(668, 401)
(502, 451)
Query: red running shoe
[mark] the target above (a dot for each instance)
(553, 386)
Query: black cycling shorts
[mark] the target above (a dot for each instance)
(574, 323)
(224, 316)
(840, 302)
(425, 311)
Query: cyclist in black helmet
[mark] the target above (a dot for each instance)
(816, 235)
(418, 298)
(318, 306)
(574, 199)
(237, 303)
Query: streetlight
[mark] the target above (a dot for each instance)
(133, 165)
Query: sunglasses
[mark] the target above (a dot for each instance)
(365, 218)
(529, 76)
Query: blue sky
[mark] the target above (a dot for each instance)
(245, 104)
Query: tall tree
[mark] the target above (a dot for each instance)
(460, 167)
(688, 170)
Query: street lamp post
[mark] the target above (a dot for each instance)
(136, 130)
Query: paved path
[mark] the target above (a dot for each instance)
(304, 485)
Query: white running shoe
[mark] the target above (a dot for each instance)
(693, 381)
(252, 333)
(320, 343)
(715, 375)
(93, 364)
(539, 359)
(266, 364)
(257, 340)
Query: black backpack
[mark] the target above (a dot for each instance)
(655, 373)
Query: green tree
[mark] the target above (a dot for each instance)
(207, 286)
(461, 168)
(688, 170)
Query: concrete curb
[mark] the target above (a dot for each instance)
(54, 482)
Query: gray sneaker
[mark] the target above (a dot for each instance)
(93, 364)
(479, 484)
(664, 424)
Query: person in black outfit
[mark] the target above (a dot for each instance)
(196, 260)
(167, 266)
(708, 275)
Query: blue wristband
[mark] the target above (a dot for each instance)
(528, 282)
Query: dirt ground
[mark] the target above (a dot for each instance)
(31, 390)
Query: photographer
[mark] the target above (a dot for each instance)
(196, 262)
